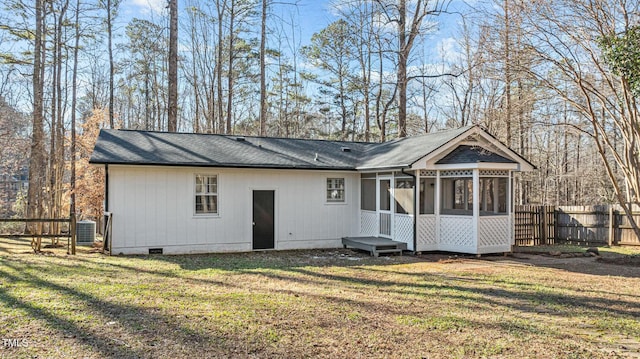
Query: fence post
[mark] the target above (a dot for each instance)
(543, 224)
(555, 224)
(610, 240)
(73, 233)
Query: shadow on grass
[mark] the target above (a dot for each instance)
(589, 266)
(130, 317)
(525, 297)
(276, 260)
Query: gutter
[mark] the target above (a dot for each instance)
(207, 165)
(415, 207)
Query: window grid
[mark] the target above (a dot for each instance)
(335, 190)
(206, 194)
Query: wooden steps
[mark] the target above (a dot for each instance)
(374, 245)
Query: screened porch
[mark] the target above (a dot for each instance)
(466, 210)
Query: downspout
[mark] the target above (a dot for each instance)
(415, 207)
(106, 241)
(106, 188)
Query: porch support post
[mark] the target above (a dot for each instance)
(436, 206)
(510, 198)
(476, 205)
(416, 209)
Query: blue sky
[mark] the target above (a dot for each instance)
(312, 16)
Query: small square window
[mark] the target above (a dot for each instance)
(206, 194)
(335, 190)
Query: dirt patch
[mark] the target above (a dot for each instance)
(633, 260)
(605, 265)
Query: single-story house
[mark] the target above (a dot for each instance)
(193, 193)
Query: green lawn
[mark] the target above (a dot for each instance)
(314, 304)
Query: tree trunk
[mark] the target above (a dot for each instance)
(230, 66)
(37, 157)
(172, 116)
(219, 116)
(74, 92)
(263, 70)
(111, 64)
(507, 72)
(403, 52)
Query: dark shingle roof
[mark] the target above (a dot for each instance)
(472, 154)
(406, 151)
(188, 149)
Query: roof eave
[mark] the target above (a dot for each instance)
(225, 165)
(378, 168)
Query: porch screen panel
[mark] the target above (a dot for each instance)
(385, 195)
(427, 195)
(368, 194)
(385, 224)
(385, 205)
(403, 196)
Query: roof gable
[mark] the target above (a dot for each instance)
(406, 151)
(472, 154)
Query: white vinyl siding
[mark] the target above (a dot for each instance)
(154, 206)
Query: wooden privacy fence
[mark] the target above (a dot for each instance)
(534, 225)
(589, 225)
(37, 235)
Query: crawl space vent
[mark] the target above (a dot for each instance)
(155, 250)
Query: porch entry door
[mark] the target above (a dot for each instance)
(384, 206)
(263, 220)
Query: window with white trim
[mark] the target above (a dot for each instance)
(206, 194)
(335, 190)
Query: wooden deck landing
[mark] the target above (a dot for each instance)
(374, 245)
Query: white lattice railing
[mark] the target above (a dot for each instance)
(456, 234)
(368, 223)
(404, 229)
(426, 238)
(494, 234)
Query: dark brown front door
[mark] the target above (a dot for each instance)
(263, 219)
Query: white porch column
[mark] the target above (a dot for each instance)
(416, 190)
(476, 204)
(416, 209)
(436, 205)
(510, 191)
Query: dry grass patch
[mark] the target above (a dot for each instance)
(334, 303)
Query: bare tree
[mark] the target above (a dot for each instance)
(172, 105)
(409, 19)
(111, 6)
(566, 36)
(37, 159)
(263, 67)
